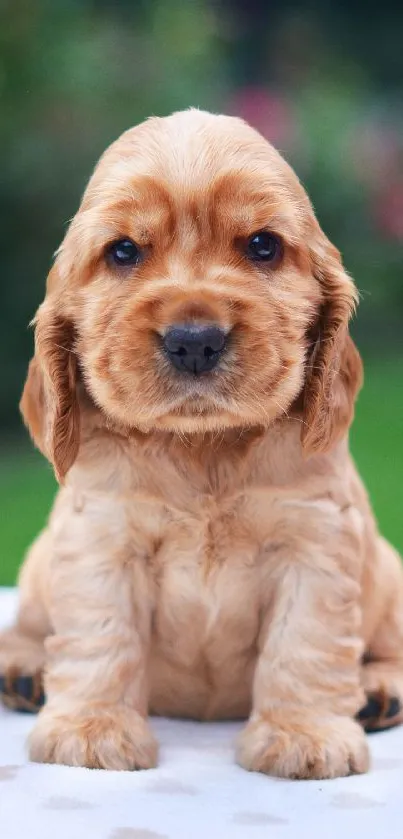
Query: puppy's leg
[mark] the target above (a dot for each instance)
(382, 673)
(306, 688)
(95, 683)
(22, 651)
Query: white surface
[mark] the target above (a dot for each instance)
(196, 793)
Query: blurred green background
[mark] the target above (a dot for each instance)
(323, 80)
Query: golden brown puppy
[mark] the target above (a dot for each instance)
(211, 552)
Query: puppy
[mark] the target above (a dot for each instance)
(211, 552)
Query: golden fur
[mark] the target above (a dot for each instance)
(211, 552)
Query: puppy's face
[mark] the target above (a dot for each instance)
(194, 281)
(193, 285)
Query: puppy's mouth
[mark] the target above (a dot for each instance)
(189, 398)
(198, 393)
(196, 396)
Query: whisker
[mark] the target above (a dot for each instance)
(66, 349)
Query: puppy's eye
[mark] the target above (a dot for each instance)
(263, 247)
(124, 252)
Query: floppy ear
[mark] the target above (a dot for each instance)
(49, 401)
(334, 367)
(32, 404)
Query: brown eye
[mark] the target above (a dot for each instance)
(124, 252)
(263, 247)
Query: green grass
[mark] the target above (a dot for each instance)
(377, 444)
(27, 485)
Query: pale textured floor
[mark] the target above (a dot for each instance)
(196, 793)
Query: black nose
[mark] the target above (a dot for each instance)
(194, 349)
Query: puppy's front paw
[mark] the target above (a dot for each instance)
(330, 749)
(112, 738)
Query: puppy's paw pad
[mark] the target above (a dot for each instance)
(22, 693)
(381, 712)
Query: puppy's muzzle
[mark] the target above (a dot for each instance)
(194, 348)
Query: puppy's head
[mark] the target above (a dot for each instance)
(194, 291)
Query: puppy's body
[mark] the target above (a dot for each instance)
(209, 536)
(212, 553)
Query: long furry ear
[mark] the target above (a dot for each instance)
(49, 402)
(334, 367)
(32, 404)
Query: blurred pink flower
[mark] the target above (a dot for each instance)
(267, 111)
(374, 151)
(388, 210)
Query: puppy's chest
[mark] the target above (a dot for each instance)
(206, 574)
